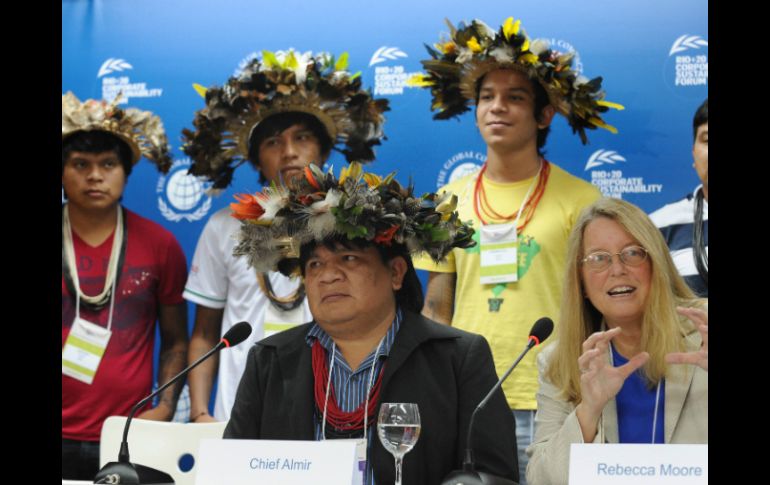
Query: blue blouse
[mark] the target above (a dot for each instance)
(636, 407)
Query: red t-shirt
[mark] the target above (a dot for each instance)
(153, 274)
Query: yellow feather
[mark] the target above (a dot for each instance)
(448, 205)
(525, 45)
(201, 90)
(419, 81)
(353, 171)
(516, 27)
(473, 44)
(508, 28)
(372, 180)
(610, 104)
(601, 124)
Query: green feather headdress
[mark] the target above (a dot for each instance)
(279, 82)
(279, 220)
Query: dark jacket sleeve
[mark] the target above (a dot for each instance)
(247, 410)
(494, 432)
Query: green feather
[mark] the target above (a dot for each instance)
(269, 59)
(342, 62)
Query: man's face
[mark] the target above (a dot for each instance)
(93, 181)
(283, 156)
(348, 289)
(505, 112)
(700, 153)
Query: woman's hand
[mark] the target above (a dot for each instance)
(701, 357)
(600, 381)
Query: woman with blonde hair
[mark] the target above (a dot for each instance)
(626, 317)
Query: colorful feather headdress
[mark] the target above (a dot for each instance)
(457, 64)
(279, 220)
(141, 130)
(279, 82)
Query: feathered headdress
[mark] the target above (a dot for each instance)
(283, 82)
(358, 205)
(141, 130)
(457, 64)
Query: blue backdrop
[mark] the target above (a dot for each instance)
(652, 55)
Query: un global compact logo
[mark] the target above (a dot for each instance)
(458, 166)
(563, 46)
(181, 195)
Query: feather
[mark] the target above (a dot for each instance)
(610, 104)
(508, 28)
(269, 60)
(201, 90)
(342, 62)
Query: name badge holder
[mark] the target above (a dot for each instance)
(499, 246)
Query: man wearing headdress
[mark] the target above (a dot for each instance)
(522, 205)
(685, 223)
(351, 239)
(285, 111)
(120, 274)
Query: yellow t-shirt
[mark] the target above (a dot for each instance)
(504, 312)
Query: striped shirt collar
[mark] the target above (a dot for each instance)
(317, 333)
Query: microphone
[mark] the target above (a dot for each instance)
(123, 471)
(541, 330)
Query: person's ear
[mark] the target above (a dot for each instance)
(546, 116)
(398, 269)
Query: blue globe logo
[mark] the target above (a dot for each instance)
(184, 191)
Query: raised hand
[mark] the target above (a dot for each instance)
(600, 381)
(701, 357)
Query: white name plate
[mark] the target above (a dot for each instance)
(630, 464)
(268, 462)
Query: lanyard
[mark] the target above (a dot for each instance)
(657, 403)
(529, 191)
(368, 390)
(698, 241)
(655, 414)
(112, 267)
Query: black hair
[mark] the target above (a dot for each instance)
(701, 117)
(97, 141)
(541, 101)
(409, 296)
(276, 124)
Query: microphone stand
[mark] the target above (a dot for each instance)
(469, 475)
(123, 471)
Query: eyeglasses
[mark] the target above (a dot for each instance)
(601, 260)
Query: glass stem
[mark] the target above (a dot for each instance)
(399, 460)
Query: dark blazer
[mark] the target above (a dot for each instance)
(444, 370)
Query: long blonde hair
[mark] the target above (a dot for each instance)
(663, 329)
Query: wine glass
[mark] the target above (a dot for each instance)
(398, 427)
